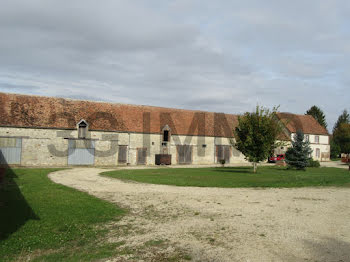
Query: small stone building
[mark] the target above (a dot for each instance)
(46, 131)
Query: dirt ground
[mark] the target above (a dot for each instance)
(222, 224)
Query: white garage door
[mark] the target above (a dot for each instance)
(10, 150)
(81, 152)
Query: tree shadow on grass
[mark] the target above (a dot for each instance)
(246, 170)
(14, 209)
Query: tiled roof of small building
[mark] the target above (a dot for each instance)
(49, 112)
(305, 123)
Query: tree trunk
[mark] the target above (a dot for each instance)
(255, 166)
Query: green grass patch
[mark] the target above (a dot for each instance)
(237, 177)
(51, 222)
(154, 242)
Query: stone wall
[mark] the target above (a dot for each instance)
(49, 147)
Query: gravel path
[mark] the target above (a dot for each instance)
(337, 164)
(223, 224)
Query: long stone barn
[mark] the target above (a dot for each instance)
(47, 131)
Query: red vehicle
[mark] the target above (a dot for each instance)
(345, 159)
(274, 159)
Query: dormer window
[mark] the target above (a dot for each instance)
(82, 129)
(166, 134)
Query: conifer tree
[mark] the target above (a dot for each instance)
(318, 114)
(342, 138)
(298, 155)
(335, 142)
(344, 118)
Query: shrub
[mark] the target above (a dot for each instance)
(314, 163)
(222, 162)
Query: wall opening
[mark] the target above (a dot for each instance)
(82, 129)
(165, 136)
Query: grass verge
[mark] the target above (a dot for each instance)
(237, 177)
(44, 221)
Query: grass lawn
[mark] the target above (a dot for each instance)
(237, 177)
(50, 222)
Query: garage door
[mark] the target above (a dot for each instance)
(81, 152)
(184, 154)
(10, 150)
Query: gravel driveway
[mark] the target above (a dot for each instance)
(223, 224)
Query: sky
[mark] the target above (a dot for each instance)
(223, 56)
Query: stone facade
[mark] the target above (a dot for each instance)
(49, 147)
(320, 146)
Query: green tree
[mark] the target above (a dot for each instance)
(298, 155)
(335, 148)
(342, 138)
(344, 118)
(256, 134)
(318, 114)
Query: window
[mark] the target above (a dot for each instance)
(307, 138)
(317, 139)
(318, 153)
(82, 129)
(166, 136)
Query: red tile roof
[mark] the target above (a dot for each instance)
(48, 112)
(305, 123)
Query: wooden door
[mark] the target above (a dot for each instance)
(142, 156)
(122, 154)
(184, 154)
(223, 152)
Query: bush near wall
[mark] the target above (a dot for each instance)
(314, 163)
